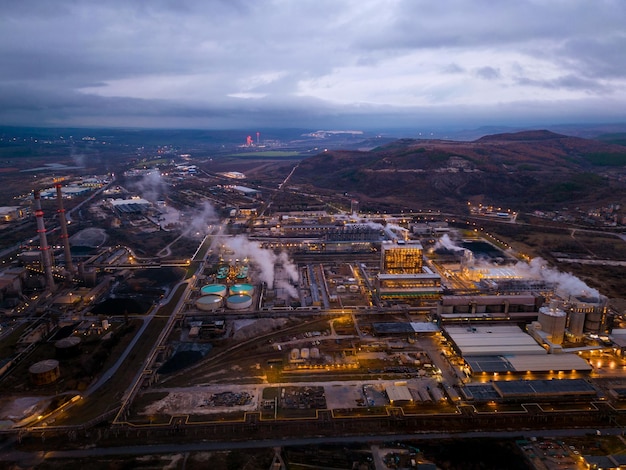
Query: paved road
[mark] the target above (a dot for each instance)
(19, 456)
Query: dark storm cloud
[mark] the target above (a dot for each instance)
(210, 63)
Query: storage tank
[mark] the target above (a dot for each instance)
(552, 321)
(304, 353)
(295, 354)
(214, 289)
(341, 289)
(354, 288)
(239, 302)
(241, 289)
(209, 303)
(44, 372)
(315, 353)
(67, 347)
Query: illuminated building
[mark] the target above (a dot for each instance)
(401, 258)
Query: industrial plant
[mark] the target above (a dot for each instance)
(252, 314)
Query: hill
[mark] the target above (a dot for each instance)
(523, 170)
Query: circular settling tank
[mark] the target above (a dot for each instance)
(214, 289)
(209, 303)
(241, 289)
(239, 302)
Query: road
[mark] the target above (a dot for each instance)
(40, 456)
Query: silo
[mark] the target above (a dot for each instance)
(214, 289)
(552, 321)
(295, 354)
(239, 302)
(576, 325)
(44, 372)
(209, 303)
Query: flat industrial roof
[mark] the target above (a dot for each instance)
(404, 327)
(397, 393)
(525, 388)
(492, 340)
(527, 363)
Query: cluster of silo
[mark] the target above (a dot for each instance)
(586, 315)
(304, 354)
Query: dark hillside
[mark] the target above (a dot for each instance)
(530, 169)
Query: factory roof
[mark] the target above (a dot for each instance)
(404, 276)
(398, 393)
(492, 340)
(382, 328)
(532, 388)
(118, 202)
(522, 363)
(488, 299)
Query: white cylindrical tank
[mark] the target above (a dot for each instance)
(553, 321)
(304, 353)
(315, 353)
(239, 302)
(209, 303)
(354, 288)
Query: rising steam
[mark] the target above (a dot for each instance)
(265, 260)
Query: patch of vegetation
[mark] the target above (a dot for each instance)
(618, 138)
(606, 158)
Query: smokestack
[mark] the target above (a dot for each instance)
(63, 221)
(43, 242)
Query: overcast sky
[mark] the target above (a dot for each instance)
(311, 63)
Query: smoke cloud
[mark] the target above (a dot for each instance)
(151, 187)
(566, 283)
(447, 243)
(200, 220)
(265, 260)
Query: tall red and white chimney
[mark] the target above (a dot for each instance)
(43, 242)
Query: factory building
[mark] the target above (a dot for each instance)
(12, 213)
(497, 349)
(403, 286)
(401, 258)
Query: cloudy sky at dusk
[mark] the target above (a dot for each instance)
(311, 63)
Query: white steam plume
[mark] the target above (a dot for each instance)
(284, 285)
(447, 243)
(200, 219)
(566, 283)
(151, 187)
(265, 260)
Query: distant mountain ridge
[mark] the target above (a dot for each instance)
(523, 169)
